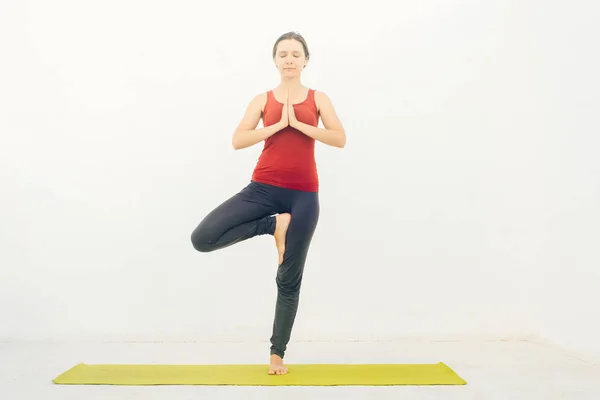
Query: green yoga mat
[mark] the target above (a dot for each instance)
(257, 375)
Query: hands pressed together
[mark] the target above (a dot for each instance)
(288, 116)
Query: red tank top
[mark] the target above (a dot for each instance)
(288, 157)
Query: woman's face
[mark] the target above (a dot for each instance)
(289, 58)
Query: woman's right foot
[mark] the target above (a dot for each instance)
(282, 222)
(276, 366)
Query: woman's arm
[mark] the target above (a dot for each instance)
(246, 134)
(333, 134)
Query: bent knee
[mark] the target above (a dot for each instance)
(203, 247)
(201, 243)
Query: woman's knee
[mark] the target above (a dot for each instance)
(289, 284)
(202, 239)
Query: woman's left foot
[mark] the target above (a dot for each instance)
(277, 367)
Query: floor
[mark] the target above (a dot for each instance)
(506, 370)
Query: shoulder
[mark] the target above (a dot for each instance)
(322, 100)
(261, 97)
(321, 96)
(259, 101)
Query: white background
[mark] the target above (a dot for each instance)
(465, 203)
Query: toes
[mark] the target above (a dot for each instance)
(277, 370)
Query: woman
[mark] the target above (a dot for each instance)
(282, 197)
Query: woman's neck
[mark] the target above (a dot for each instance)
(291, 84)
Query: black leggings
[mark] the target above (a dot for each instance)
(250, 213)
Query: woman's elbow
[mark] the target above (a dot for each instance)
(235, 142)
(342, 142)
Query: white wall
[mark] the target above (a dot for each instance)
(465, 203)
(565, 290)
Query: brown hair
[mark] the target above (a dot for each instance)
(294, 36)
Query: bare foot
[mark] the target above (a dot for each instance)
(282, 221)
(277, 367)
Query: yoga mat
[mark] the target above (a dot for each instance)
(257, 375)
